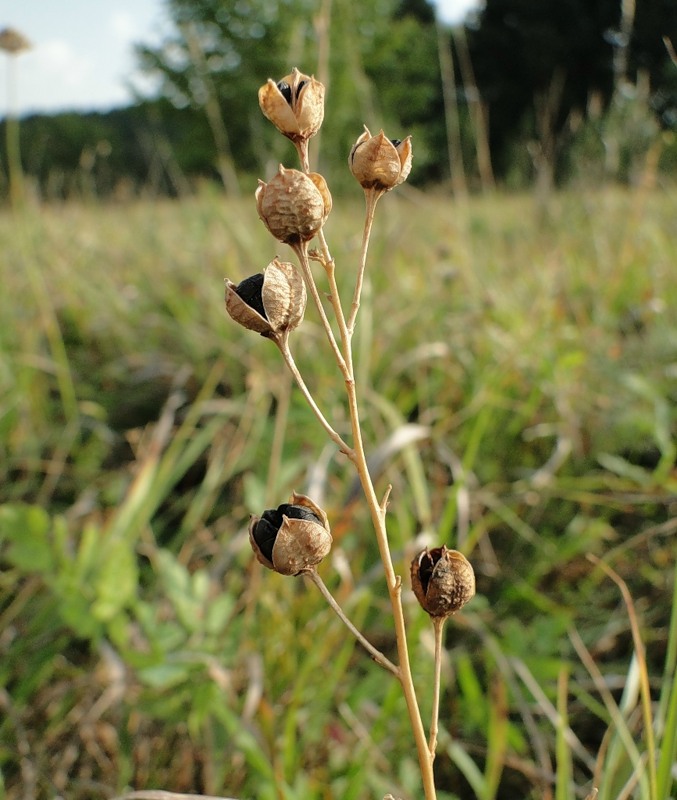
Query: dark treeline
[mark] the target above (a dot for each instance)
(527, 90)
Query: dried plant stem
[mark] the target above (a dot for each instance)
(283, 346)
(302, 252)
(334, 297)
(357, 455)
(438, 625)
(394, 583)
(371, 198)
(378, 511)
(302, 149)
(377, 655)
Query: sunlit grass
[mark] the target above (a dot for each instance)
(141, 646)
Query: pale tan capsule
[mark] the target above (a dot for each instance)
(292, 537)
(271, 302)
(295, 105)
(293, 205)
(380, 163)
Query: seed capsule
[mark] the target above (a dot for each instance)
(293, 205)
(292, 537)
(380, 163)
(271, 302)
(443, 581)
(295, 105)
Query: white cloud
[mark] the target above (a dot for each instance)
(82, 56)
(123, 26)
(57, 76)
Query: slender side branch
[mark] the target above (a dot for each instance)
(325, 258)
(302, 252)
(283, 346)
(438, 624)
(377, 655)
(371, 197)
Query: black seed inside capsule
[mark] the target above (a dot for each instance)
(426, 566)
(285, 88)
(265, 530)
(250, 290)
(396, 142)
(299, 87)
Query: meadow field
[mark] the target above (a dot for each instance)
(518, 375)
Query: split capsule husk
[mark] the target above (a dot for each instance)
(295, 105)
(271, 302)
(294, 205)
(292, 537)
(380, 163)
(443, 580)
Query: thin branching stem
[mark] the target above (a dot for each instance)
(302, 149)
(371, 199)
(357, 454)
(377, 655)
(438, 626)
(302, 252)
(283, 345)
(335, 299)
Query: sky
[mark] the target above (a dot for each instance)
(82, 57)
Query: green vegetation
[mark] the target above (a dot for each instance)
(141, 645)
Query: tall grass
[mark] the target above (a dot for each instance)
(528, 411)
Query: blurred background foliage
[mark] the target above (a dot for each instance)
(517, 366)
(510, 96)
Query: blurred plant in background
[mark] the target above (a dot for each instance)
(13, 43)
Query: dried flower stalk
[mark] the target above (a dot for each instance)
(294, 206)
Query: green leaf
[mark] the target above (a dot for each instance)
(164, 676)
(116, 583)
(218, 613)
(180, 589)
(27, 530)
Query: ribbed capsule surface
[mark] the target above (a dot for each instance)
(293, 205)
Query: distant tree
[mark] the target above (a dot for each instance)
(531, 52)
(404, 67)
(422, 10)
(521, 48)
(150, 147)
